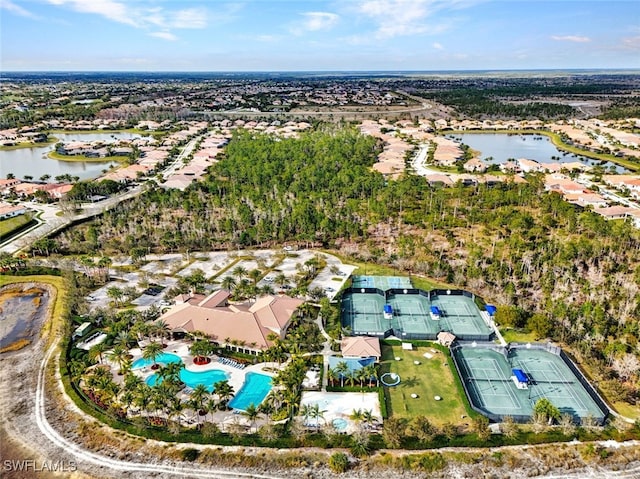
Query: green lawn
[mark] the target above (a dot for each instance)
(88, 159)
(432, 377)
(10, 225)
(627, 410)
(518, 336)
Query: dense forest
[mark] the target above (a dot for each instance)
(501, 103)
(558, 271)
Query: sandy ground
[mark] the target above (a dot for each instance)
(38, 423)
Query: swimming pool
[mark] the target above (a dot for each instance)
(253, 391)
(192, 379)
(164, 358)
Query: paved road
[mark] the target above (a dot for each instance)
(418, 162)
(52, 221)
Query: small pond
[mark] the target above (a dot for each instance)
(23, 309)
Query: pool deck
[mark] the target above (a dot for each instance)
(336, 405)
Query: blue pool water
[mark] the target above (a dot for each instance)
(340, 424)
(253, 391)
(164, 358)
(192, 379)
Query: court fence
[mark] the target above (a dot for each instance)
(504, 350)
(399, 331)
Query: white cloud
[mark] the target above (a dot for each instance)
(571, 38)
(164, 35)
(631, 43)
(9, 6)
(116, 11)
(190, 18)
(394, 18)
(315, 21)
(437, 46)
(131, 13)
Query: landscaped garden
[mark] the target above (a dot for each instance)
(429, 378)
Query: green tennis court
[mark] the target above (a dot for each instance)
(461, 316)
(486, 374)
(364, 301)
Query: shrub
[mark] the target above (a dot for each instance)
(339, 462)
(190, 454)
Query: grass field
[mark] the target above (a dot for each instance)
(89, 159)
(432, 377)
(10, 225)
(518, 336)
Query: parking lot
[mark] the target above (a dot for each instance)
(165, 271)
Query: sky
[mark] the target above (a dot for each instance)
(317, 35)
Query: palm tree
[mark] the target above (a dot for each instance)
(103, 263)
(123, 339)
(371, 373)
(252, 414)
(143, 397)
(367, 417)
(116, 294)
(317, 414)
(306, 411)
(201, 349)
(151, 352)
(360, 375)
(281, 280)
(161, 329)
(342, 369)
(224, 391)
(267, 290)
(229, 283)
(239, 272)
(198, 398)
(351, 377)
(332, 375)
(170, 374)
(97, 351)
(132, 382)
(357, 416)
(254, 275)
(266, 408)
(120, 356)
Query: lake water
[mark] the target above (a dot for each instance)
(34, 161)
(503, 147)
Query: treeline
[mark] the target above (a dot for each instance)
(492, 104)
(621, 109)
(84, 190)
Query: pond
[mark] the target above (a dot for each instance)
(23, 309)
(497, 148)
(35, 162)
